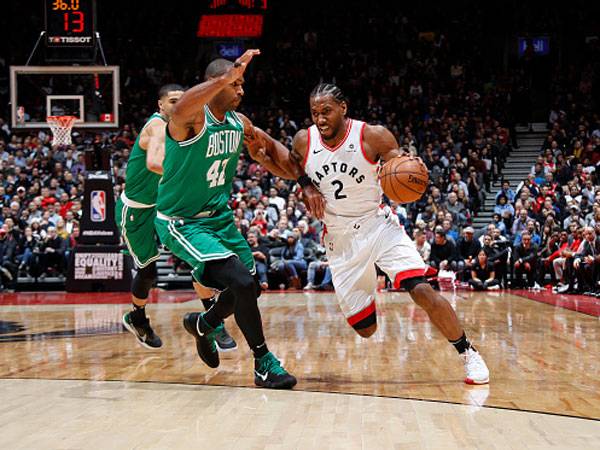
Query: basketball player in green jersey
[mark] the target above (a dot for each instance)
(203, 141)
(135, 213)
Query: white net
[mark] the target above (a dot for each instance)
(61, 127)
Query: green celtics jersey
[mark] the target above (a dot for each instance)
(141, 184)
(197, 172)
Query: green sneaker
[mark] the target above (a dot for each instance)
(225, 343)
(205, 337)
(269, 373)
(141, 329)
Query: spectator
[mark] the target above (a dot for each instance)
(573, 217)
(525, 260)
(423, 247)
(27, 246)
(293, 262)
(585, 263)
(482, 273)
(563, 263)
(499, 223)
(468, 249)
(500, 253)
(547, 255)
(261, 258)
(259, 222)
(8, 270)
(503, 206)
(506, 191)
(443, 252)
(275, 199)
(450, 229)
(52, 254)
(530, 228)
(520, 225)
(316, 267)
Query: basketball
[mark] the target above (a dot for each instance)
(404, 179)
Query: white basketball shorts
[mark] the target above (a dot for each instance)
(353, 253)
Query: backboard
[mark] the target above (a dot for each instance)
(90, 93)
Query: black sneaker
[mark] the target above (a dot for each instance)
(224, 341)
(205, 335)
(142, 331)
(269, 373)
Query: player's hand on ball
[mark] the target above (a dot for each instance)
(314, 201)
(240, 64)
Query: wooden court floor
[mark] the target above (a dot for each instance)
(71, 378)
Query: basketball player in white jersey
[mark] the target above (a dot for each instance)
(341, 157)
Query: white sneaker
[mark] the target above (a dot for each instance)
(475, 369)
(309, 286)
(494, 287)
(537, 287)
(563, 288)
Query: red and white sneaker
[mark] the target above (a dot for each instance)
(475, 369)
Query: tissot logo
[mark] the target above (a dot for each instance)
(70, 40)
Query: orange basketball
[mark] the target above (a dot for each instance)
(404, 179)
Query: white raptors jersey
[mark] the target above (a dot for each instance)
(344, 175)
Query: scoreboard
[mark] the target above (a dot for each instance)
(70, 23)
(237, 19)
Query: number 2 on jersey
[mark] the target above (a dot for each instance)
(216, 173)
(338, 192)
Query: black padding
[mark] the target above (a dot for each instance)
(143, 281)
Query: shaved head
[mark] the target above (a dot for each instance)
(216, 68)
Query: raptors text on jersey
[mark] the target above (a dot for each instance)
(344, 175)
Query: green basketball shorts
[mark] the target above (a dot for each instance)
(137, 229)
(197, 241)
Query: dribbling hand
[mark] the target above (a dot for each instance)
(240, 64)
(409, 155)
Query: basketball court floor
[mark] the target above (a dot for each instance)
(71, 378)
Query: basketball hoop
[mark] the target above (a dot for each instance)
(61, 127)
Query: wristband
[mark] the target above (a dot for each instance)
(304, 180)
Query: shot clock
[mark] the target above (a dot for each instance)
(70, 23)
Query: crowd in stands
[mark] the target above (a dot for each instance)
(435, 99)
(40, 201)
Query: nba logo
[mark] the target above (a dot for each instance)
(98, 206)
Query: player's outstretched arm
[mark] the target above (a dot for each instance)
(278, 160)
(153, 140)
(271, 154)
(188, 112)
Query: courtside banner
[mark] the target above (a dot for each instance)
(99, 268)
